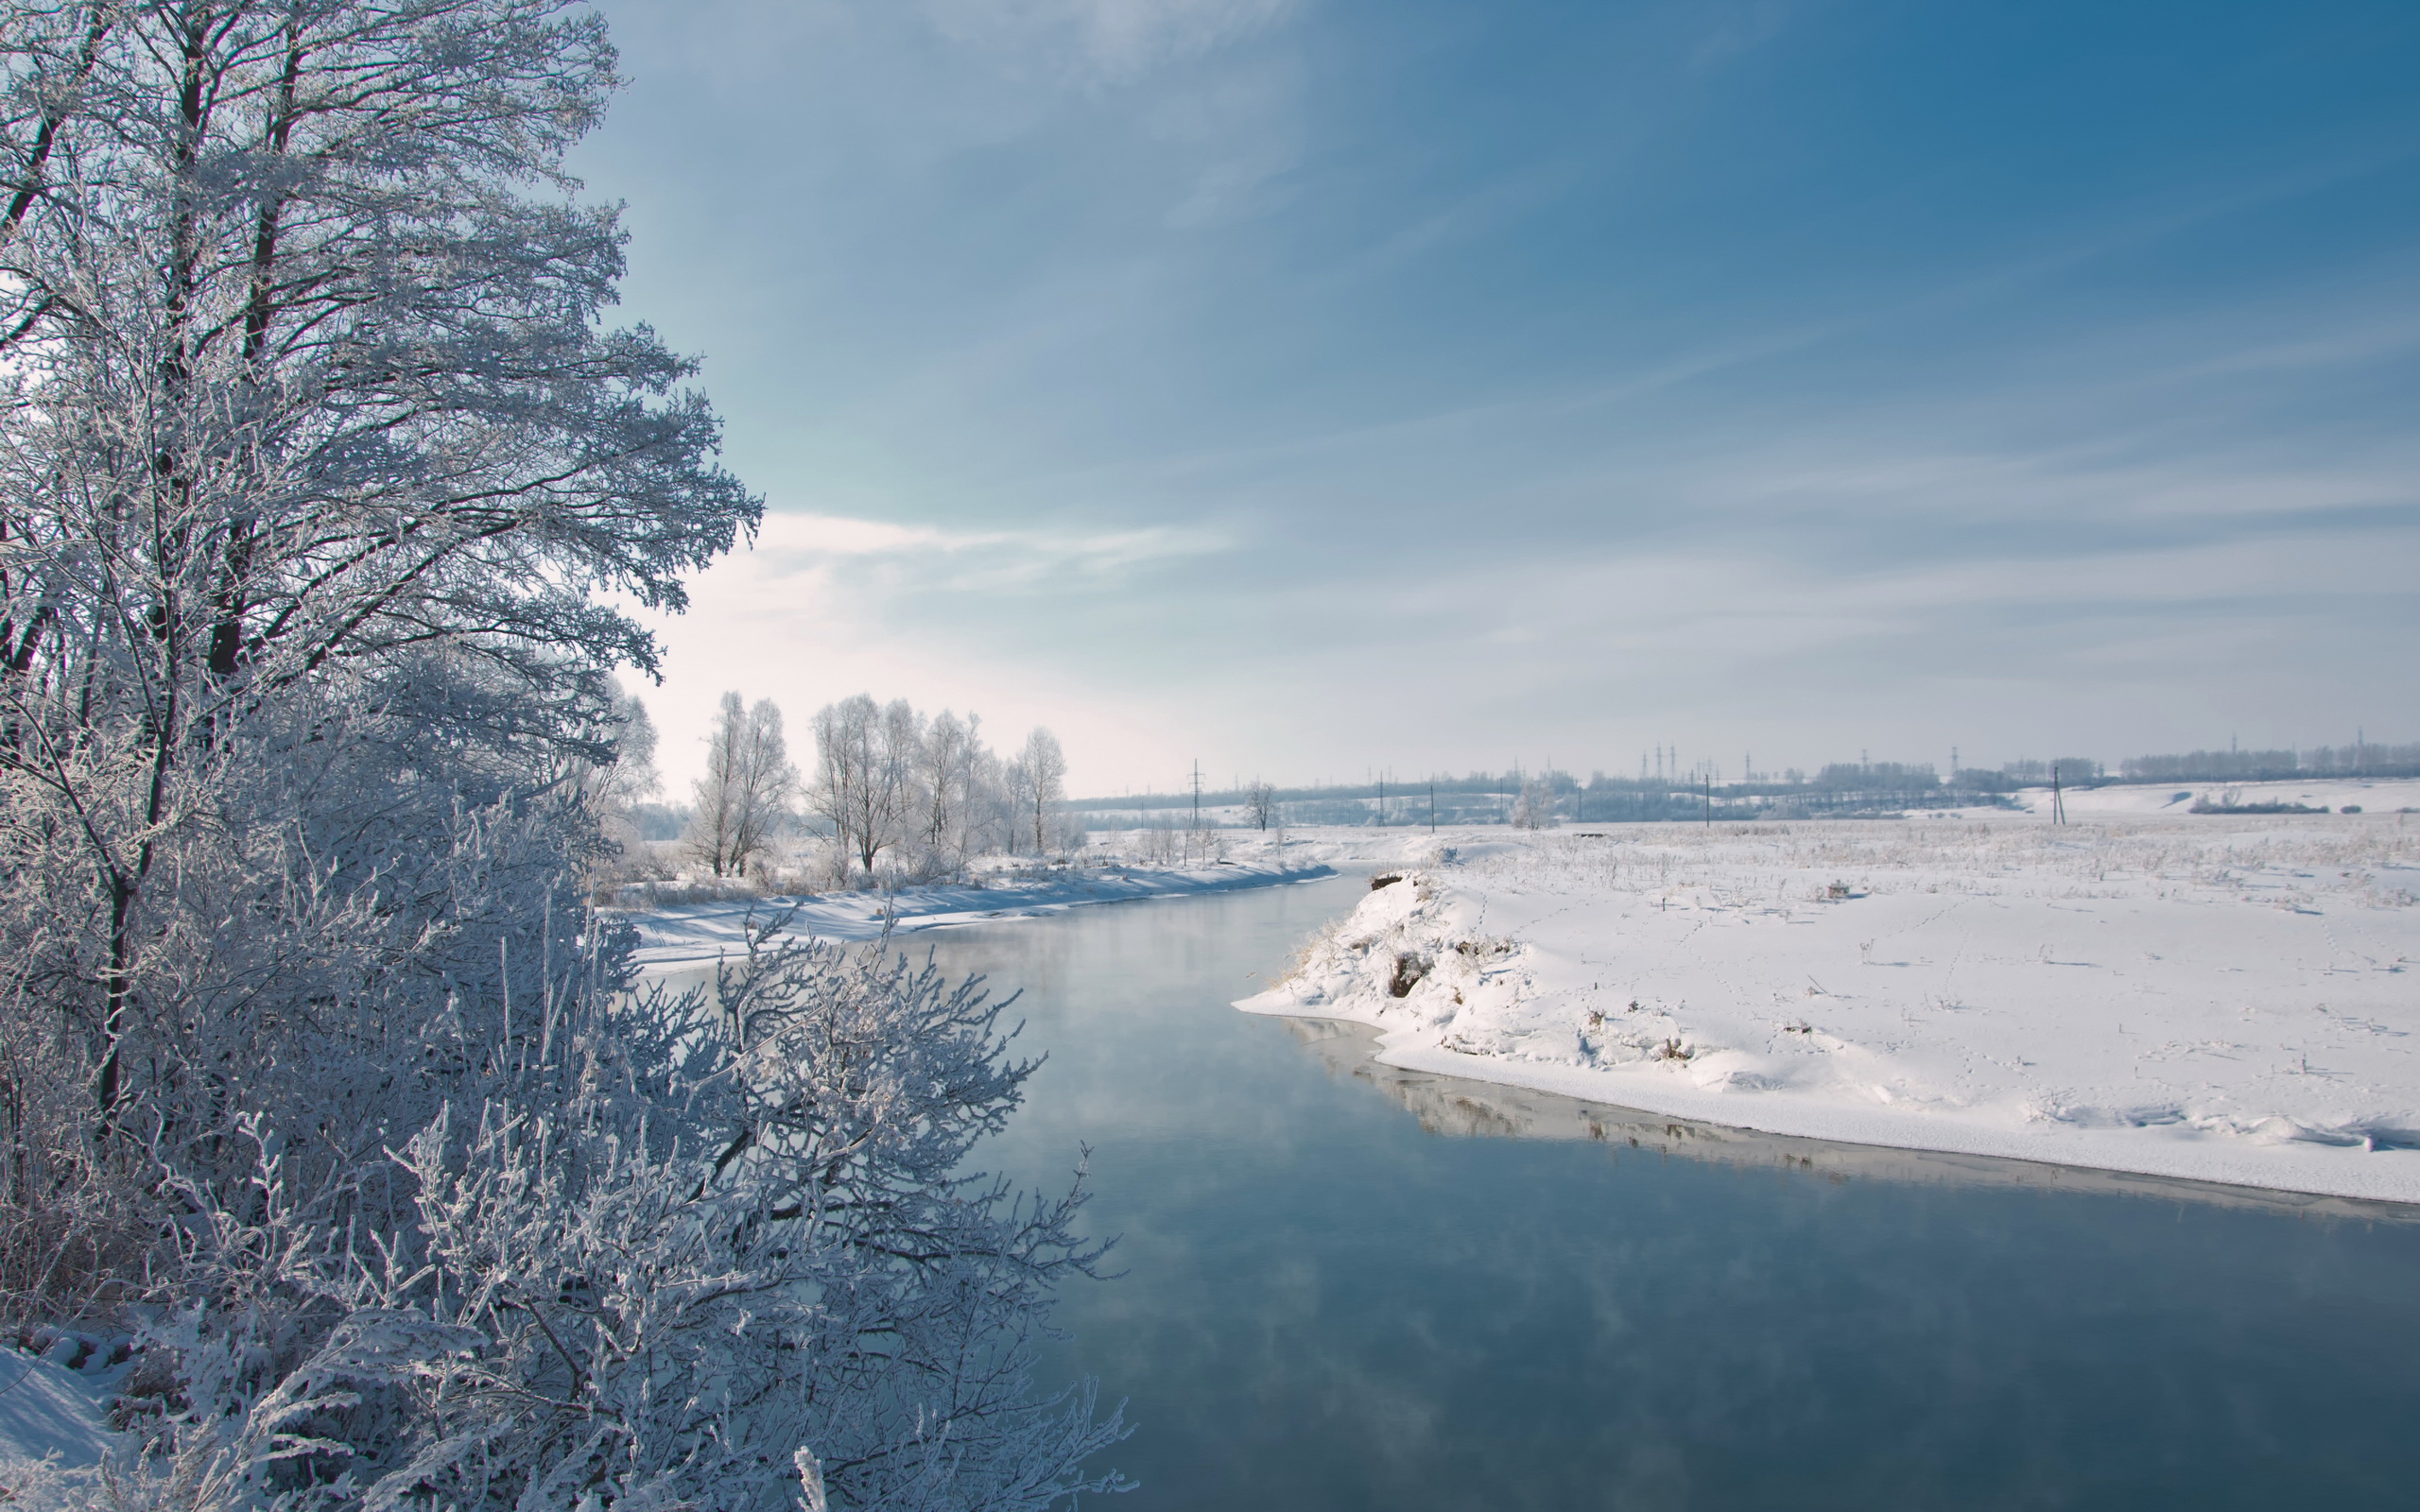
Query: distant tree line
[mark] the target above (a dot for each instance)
(1836, 789)
(2359, 760)
(894, 794)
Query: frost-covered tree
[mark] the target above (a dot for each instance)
(990, 814)
(945, 774)
(1534, 807)
(744, 799)
(868, 758)
(314, 456)
(1043, 771)
(1260, 805)
(962, 786)
(616, 789)
(313, 448)
(631, 779)
(926, 794)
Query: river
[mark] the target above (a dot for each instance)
(1345, 1287)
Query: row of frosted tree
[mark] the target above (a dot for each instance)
(893, 794)
(320, 1088)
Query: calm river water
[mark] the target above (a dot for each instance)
(1352, 1288)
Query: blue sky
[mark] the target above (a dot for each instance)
(1311, 386)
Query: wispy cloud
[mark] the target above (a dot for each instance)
(1284, 381)
(1107, 40)
(1739, 27)
(791, 543)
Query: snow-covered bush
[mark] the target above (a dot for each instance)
(675, 1252)
(331, 888)
(1534, 809)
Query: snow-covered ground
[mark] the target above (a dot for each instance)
(54, 1407)
(693, 933)
(2229, 997)
(2136, 800)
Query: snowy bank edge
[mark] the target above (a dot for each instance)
(715, 930)
(2319, 1171)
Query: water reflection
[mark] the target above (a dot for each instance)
(1462, 1107)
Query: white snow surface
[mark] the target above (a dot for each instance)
(2138, 800)
(2232, 998)
(690, 934)
(49, 1412)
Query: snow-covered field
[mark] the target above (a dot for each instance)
(2138, 801)
(2228, 997)
(693, 933)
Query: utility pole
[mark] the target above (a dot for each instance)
(1197, 796)
(2058, 803)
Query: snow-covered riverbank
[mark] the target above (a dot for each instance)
(694, 933)
(2226, 997)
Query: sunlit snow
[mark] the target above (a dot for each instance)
(2225, 996)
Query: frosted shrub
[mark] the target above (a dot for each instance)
(676, 1254)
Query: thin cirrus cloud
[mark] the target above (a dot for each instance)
(791, 542)
(1103, 40)
(1315, 387)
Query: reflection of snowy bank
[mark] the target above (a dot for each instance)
(700, 931)
(2224, 998)
(1459, 1107)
